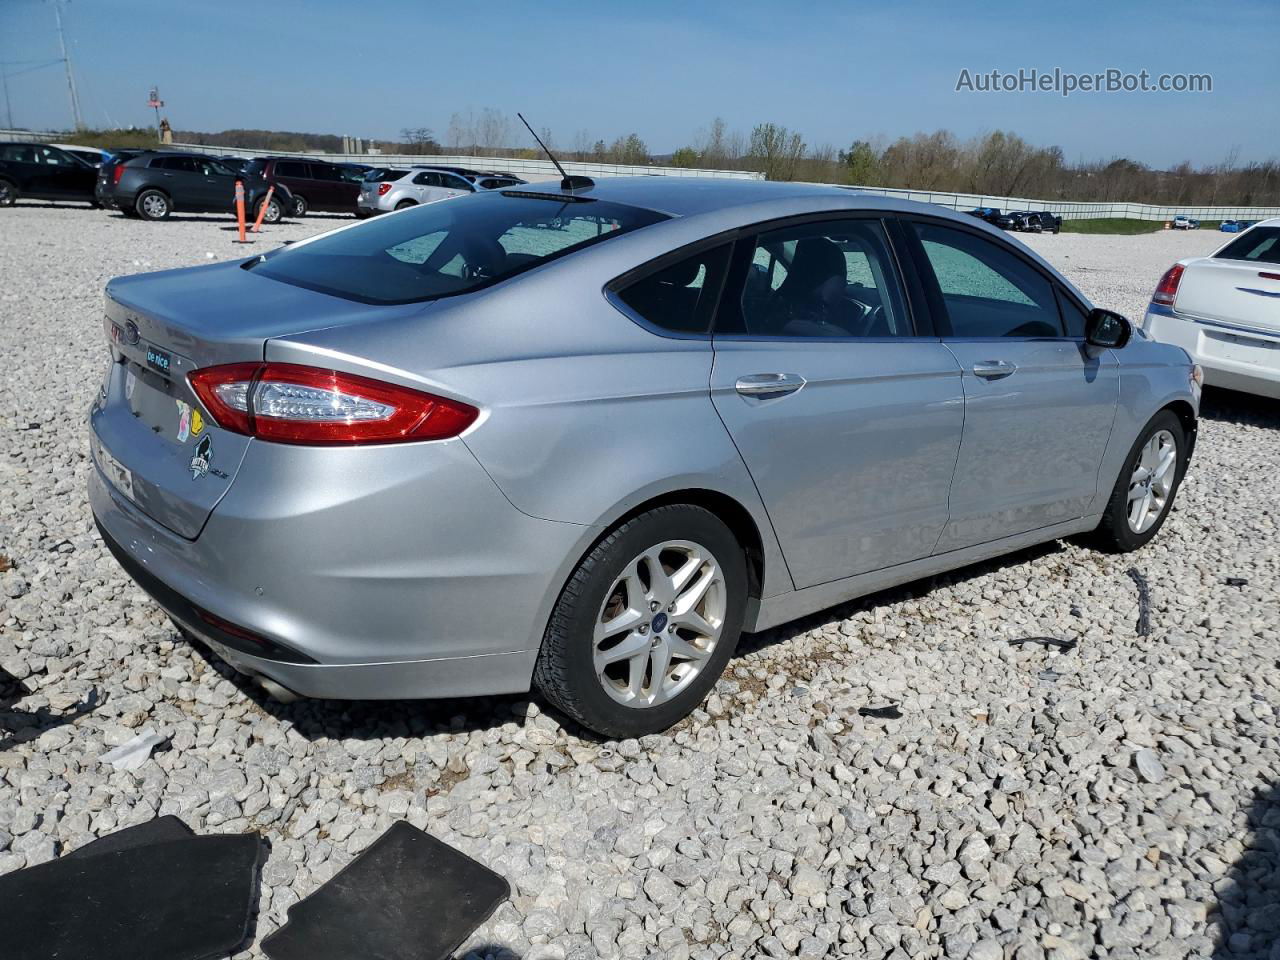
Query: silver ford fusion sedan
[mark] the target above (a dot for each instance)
(582, 436)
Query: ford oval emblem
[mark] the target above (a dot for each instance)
(131, 333)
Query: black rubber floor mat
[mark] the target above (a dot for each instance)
(159, 830)
(408, 896)
(188, 899)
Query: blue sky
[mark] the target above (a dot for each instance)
(834, 71)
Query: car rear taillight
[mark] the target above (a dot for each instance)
(116, 173)
(1167, 288)
(383, 188)
(291, 403)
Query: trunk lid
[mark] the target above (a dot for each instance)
(150, 436)
(1232, 291)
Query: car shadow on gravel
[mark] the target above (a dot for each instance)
(1248, 908)
(1230, 406)
(754, 642)
(372, 719)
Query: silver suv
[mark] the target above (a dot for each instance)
(384, 189)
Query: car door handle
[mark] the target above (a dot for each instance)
(994, 369)
(769, 384)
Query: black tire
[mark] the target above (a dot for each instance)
(565, 673)
(153, 205)
(300, 206)
(8, 193)
(1114, 533)
(405, 203)
(274, 212)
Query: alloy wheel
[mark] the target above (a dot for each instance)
(1151, 482)
(659, 623)
(155, 206)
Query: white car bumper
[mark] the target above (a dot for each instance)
(1234, 357)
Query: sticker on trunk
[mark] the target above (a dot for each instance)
(204, 456)
(184, 421)
(197, 423)
(159, 360)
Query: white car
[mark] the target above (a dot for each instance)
(1224, 310)
(1184, 222)
(383, 190)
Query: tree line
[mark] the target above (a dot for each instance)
(999, 163)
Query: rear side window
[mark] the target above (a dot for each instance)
(454, 183)
(441, 249)
(680, 297)
(831, 278)
(988, 291)
(322, 171)
(18, 154)
(291, 168)
(1259, 245)
(177, 164)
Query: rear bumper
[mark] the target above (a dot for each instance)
(1232, 357)
(352, 597)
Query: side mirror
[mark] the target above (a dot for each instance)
(1106, 328)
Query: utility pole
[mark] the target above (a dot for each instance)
(66, 60)
(8, 108)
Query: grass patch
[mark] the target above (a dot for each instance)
(1112, 225)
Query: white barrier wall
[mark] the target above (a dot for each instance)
(1074, 210)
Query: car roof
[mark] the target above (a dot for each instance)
(691, 196)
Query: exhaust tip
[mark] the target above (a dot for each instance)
(277, 692)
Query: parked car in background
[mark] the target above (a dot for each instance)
(1049, 222)
(1224, 310)
(90, 155)
(40, 171)
(1184, 222)
(153, 185)
(581, 437)
(1024, 221)
(421, 185)
(316, 185)
(993, 216)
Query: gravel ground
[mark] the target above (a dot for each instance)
(1117, 800)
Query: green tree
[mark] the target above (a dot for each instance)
(776, 150)
(685, 157)
(861, 163)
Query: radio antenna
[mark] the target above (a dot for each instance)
(566, 182)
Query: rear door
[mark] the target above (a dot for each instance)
(297, 177)
(339, 193)
(1038, 403)
(182, 178)
(452, 185)
(847, 415)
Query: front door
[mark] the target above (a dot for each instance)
(1039, 403)
(848, 421)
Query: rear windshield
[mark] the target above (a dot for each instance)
(1261, 245)
(382, 175)
(254, 168)
(442, 249)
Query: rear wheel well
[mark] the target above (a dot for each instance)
(730, 512)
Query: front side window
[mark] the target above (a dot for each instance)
(455, 183)
(286, 168)
(53, 157)
(1259, 245)
(441, 249)
(833, 278)
(680, 297)
(988, 291)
